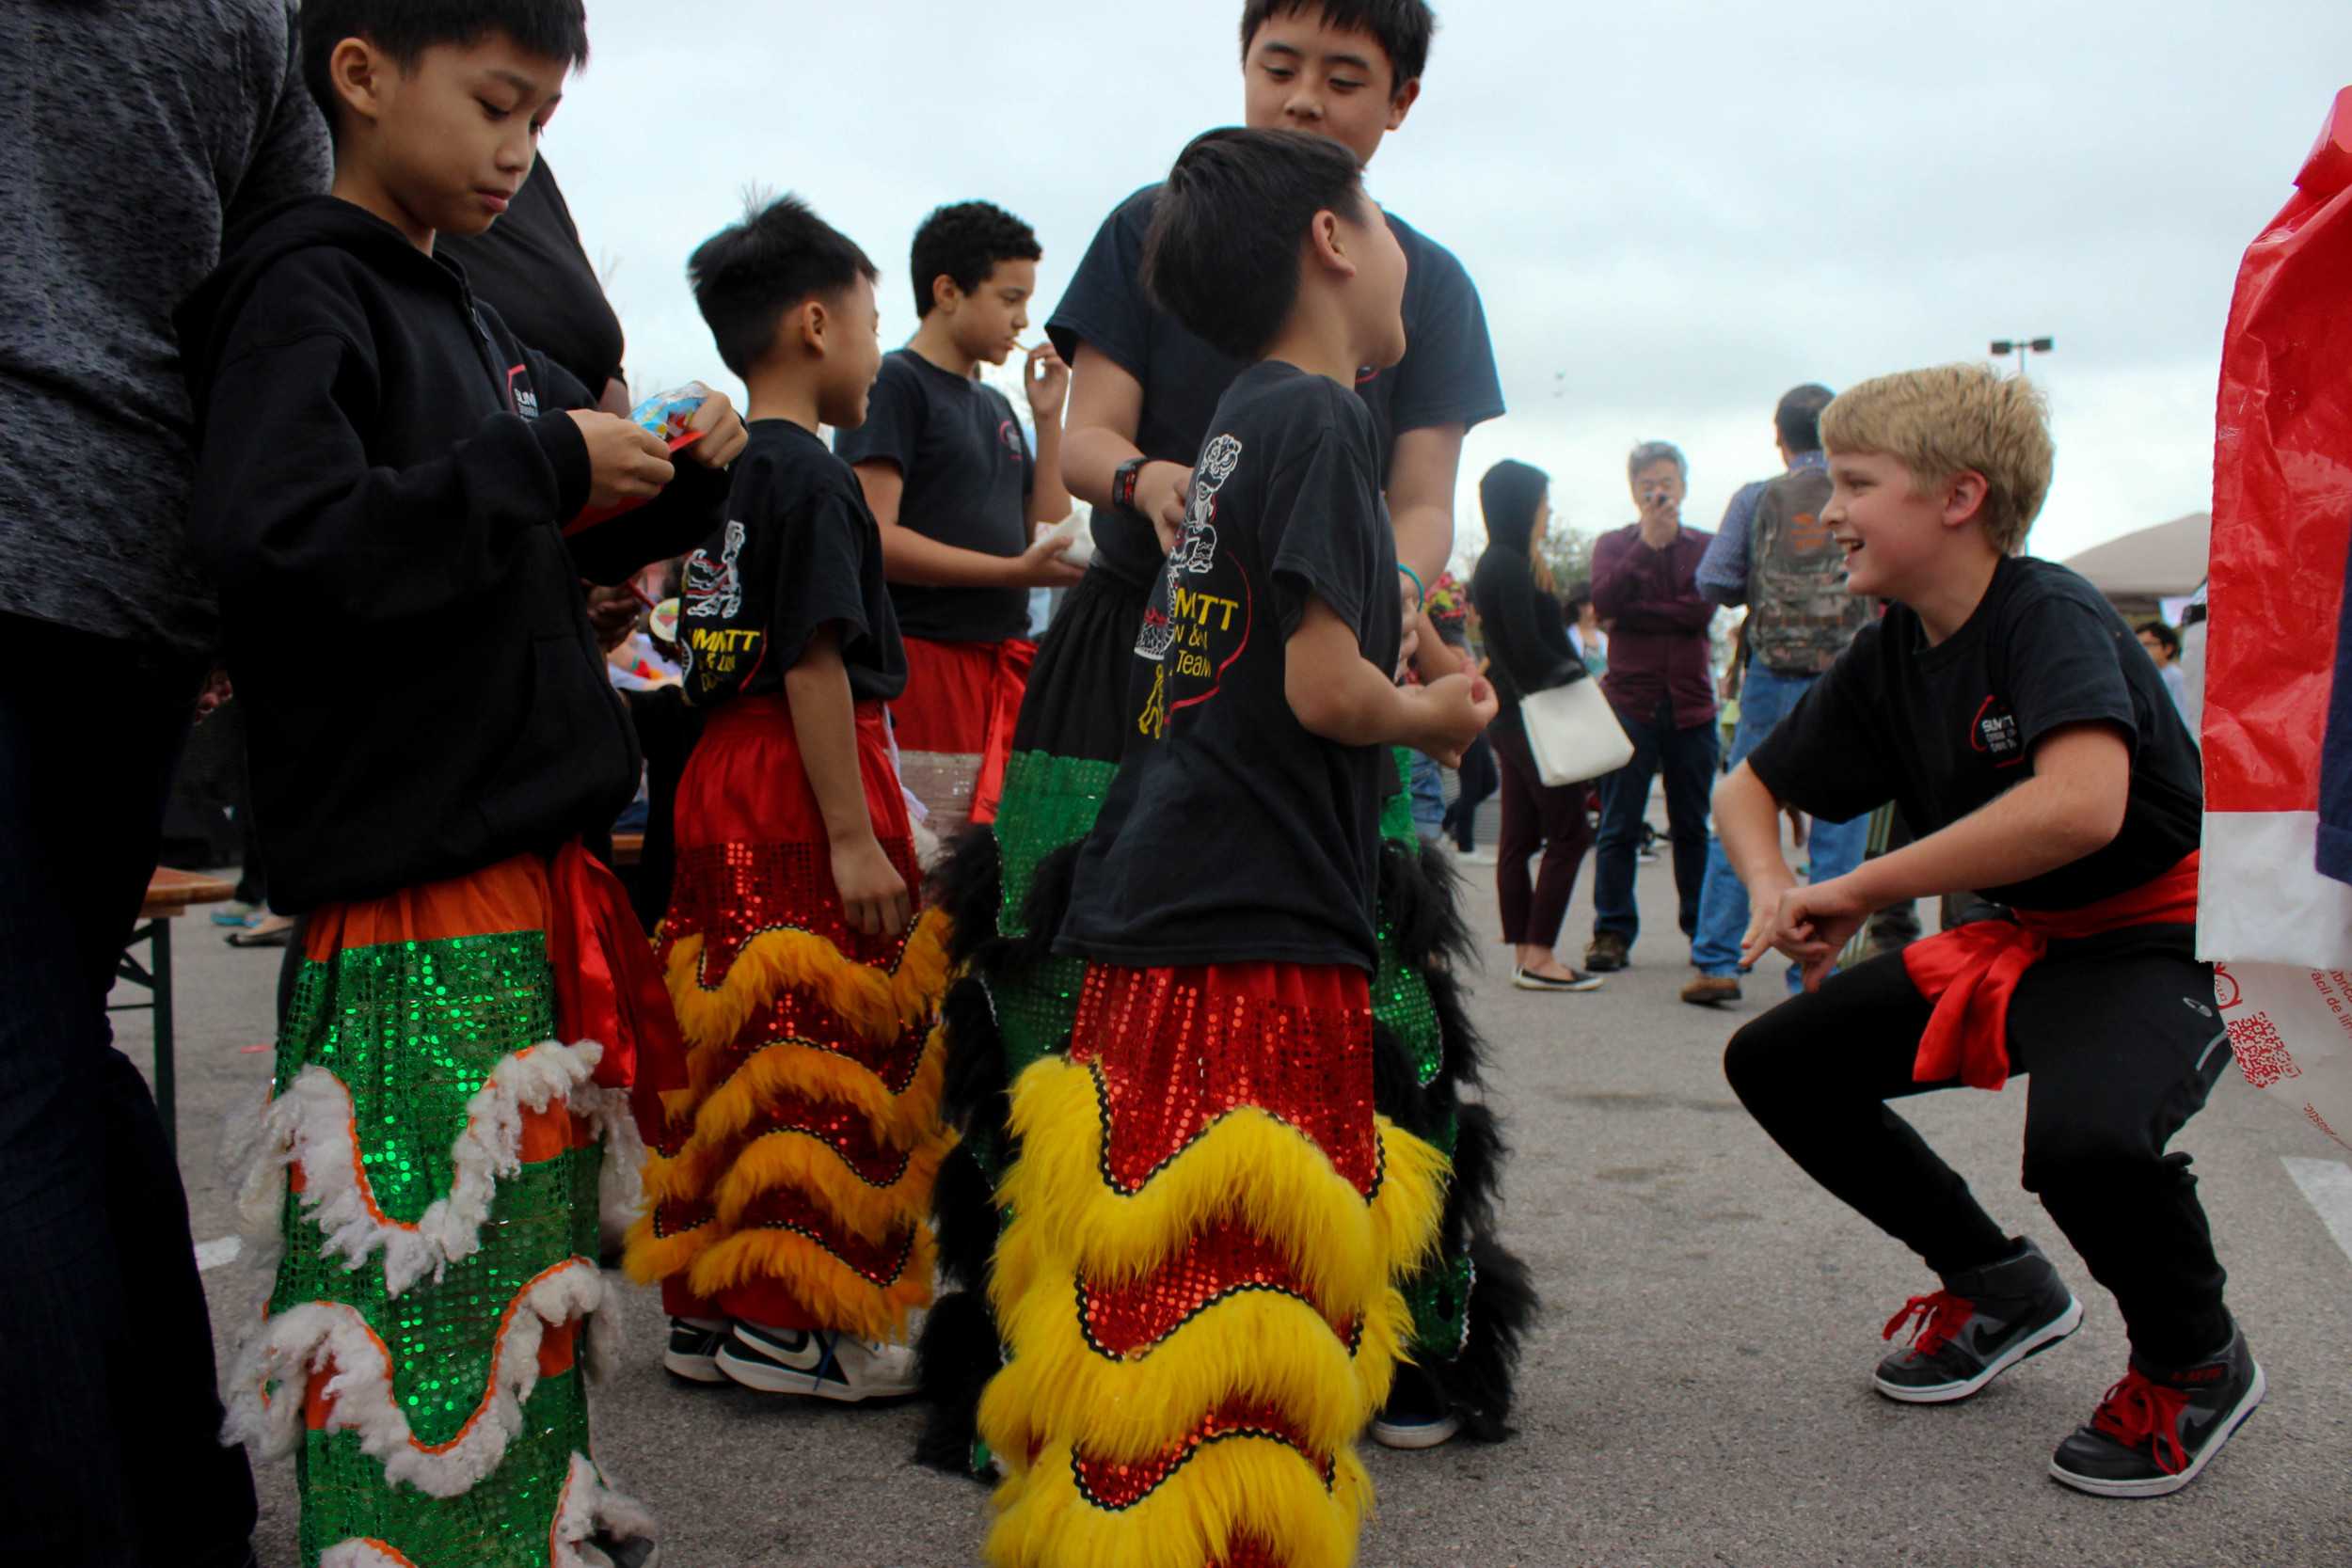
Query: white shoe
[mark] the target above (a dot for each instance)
(822, 1363)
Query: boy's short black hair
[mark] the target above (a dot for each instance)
(964, 241)
(1222, 255)
(2166, 639)
(748, 275)
(1403, 28)
(407, 28)
(1799, 417)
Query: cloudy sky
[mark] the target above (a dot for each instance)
(1675, 210)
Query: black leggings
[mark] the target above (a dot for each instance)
(1479, 779)
(2122, 1044)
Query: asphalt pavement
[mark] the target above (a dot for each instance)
(1696, 1396)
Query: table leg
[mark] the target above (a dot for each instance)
(165, 1091)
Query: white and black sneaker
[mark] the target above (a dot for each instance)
(693, 1353)
(1527, 979)
(825, 1364)
(1979, 1325)
(1416, 1416)
(2156, 1430)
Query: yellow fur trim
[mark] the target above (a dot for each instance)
(650, 1259)
(792, 1067)
(1260, 1346)
(1251, 1167)
(838, 1296)
(878, 1003)
(687, 1177)
(1242, 1486)
(806, 1163)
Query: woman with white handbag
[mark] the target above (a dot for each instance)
(1555, 732)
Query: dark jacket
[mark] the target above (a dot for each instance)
(1658, 652)
(380, 503)
(1527, 642)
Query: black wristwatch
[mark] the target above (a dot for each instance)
(1123, 487)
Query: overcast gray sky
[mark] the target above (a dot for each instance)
(1675, 211)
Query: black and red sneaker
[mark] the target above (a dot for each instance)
(1982, 1324)
(2157, 1428)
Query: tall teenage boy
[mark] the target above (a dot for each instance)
(793, 1177)
(948, 473)
(1144, 386)
(2003, 705)
(1208, 1221)
(385, 485)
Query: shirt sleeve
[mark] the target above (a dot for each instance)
(894, 422)
(1105, 307)
(2065, 666)
(1323, 525)
(1449, 374)
(1723, 575)
(817, 580)
(289, 156)
(1828, 757)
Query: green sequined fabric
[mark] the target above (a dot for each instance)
(413, 1030)
(1048, 802)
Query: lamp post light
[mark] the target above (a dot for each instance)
(2004, 347)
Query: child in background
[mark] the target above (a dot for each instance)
(1206, 1168)
(385, 482)
(792, 1179)
(2001, 704)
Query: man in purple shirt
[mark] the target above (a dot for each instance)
(1662, 682)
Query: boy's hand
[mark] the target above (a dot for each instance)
(626, 464)
(1808, 925)
(1047, 380)
(873, 894)
(723, 435)
(1041, 565)
(612, 614)
(1160, 496)
(1457, 709)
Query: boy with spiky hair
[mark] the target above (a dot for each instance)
(1144, 385)
(949, 476)
(1206, 1168)
(2002, 704)
(391, 495)
(792, 1179)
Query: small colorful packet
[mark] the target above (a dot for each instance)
(664, 416)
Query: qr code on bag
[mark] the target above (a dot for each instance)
(2262, 1055)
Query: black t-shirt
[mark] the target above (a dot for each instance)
(798, 551)
(968, 474)
(1232, 834)
(1943, 730)
(1447, 375)
(531, 268)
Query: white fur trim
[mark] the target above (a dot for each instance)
(621, 1184)
(590, 1506)
(310, 1124)
(361, 1554)
(318, 1336)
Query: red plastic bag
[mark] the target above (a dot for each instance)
(2281, 528)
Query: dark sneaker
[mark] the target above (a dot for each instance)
(1979, 1325)
(821, 1363)
(1416, 1416)
(1712, 991)
(635, 1551)
(693, 1350)
(2156, 1429)
(1607, 952)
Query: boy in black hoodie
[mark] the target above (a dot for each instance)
(388, 495)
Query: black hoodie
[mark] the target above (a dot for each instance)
(380, 502)
(1527, 642)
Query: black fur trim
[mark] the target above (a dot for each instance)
(1465, 1048)
(1421, 902)
(1042, 910)
(1396, 1092)
(963, 1216)
(1478, 1384)
(954, 1359)
(974, 1094)
(1470, 1195)
(968, 884)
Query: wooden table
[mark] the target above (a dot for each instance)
(627, 848)
(169, 895)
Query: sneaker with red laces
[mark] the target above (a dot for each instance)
(2158, 1429)
(1983, 1323)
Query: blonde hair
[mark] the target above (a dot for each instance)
(1950, 419)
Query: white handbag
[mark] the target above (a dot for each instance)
(1573, 732)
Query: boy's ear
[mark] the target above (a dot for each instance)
(814, 321)
(1402, 104)
(358, 70)
(1327, 243)
(945, 293)
(1964, 497)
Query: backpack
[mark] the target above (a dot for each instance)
(1801, 616)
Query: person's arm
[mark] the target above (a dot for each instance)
(1046, 381)
(1339, 694)
(292, 155)
(825, 719)
(917, 559)
(1723, 574)
(1649, 594)
(1105, 411)
(1422, 473)
(2072, 807)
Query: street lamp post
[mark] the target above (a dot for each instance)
(2004, 347)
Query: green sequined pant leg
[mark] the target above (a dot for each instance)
(412, 1030)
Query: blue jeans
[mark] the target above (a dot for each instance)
(1832, 849)
(1428, 790)
(1687, 758)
